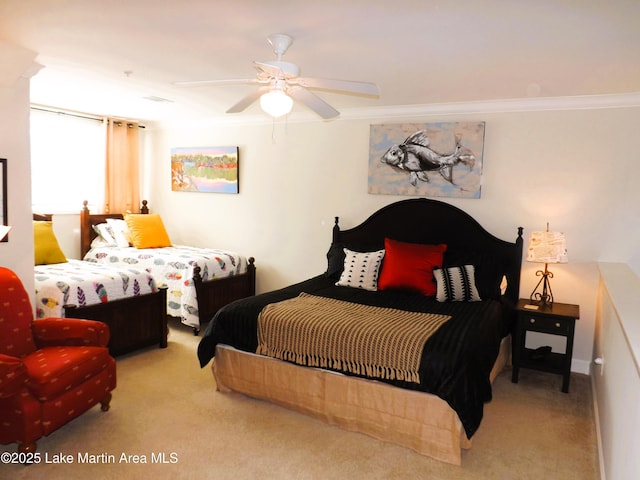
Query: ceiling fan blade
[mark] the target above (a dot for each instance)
(312, 101)
(248, 100)
(216, 83)
(362, 88)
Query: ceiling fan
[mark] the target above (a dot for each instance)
(280, 84)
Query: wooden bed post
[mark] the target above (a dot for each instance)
(85, 229)
(513, 275)
(336, 230)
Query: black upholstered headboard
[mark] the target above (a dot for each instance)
(427, 221)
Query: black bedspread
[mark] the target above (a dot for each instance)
(456, 361)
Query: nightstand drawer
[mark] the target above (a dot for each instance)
(546, 324)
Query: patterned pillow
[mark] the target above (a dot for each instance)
(361, 269)
(106, 233)
(120, 231)
(456, 284)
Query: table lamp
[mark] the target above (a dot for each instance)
(546, 247)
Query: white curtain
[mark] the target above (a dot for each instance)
(67, 162)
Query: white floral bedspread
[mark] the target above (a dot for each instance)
(173, 267)
(84, 283)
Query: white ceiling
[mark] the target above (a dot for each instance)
(419, 52)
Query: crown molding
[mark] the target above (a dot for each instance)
(17, 62)
(583, 102)
(538, 104)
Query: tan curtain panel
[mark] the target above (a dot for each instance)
(122, 184)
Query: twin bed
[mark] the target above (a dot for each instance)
(135, 290)
(377, 343)
(199, 280)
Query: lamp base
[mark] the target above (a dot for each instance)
(546, 297)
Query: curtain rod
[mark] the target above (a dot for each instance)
(63, 112)
(78, 115)
(119, 123)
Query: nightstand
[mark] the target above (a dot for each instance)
(555, 319)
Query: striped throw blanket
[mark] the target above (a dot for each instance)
(323, 332)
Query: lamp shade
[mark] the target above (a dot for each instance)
(276, 103)
(547, 247)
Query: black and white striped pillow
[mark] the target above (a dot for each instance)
(456, 284)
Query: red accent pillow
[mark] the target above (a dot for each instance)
(409, 266)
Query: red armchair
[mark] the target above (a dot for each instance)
(51, 370)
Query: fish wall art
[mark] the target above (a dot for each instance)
(429, 160)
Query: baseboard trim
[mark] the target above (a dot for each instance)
(581, 366)
(596, 414)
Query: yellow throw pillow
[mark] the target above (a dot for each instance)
(147, 230)
(47, 249)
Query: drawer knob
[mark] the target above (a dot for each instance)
(558, 324)
(532, 320)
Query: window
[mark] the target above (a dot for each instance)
(67, 161)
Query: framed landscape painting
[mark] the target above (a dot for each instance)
(431, 159)
(204, 169)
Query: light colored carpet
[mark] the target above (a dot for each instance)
(165, 404)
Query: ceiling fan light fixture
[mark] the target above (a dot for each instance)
(276, 103)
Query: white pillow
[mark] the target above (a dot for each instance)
(456, 284)
(361, 269)
(99, 242)
(105, 234)
(120, 231)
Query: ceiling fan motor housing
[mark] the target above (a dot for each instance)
(282, 68)
(280, 43)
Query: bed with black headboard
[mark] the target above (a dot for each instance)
(195, 291)
(126, 299)
(456, 342)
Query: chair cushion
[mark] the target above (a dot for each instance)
(54, 370)
(58, 332)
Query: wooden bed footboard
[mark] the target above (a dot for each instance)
(134, 322)
(215, 294)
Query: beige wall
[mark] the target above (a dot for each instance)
(616, 380)
(573, 168)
